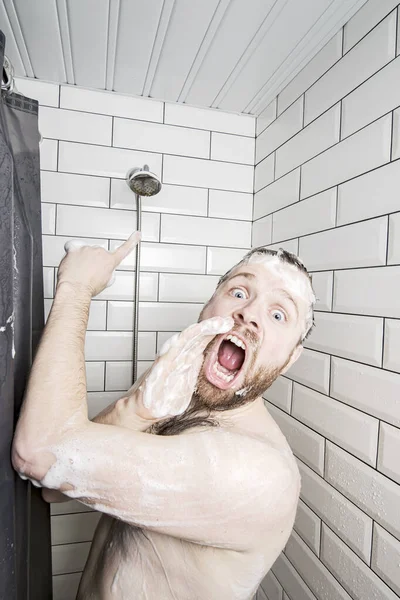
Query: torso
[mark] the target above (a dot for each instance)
(127, 563)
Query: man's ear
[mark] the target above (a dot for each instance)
(296, 353)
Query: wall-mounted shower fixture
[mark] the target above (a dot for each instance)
(143, 183)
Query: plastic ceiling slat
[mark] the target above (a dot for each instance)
(88, 26)
(229, 44)
(113, 20)
(158, 44)
(41, 34)
(137, 29)
(12, 50)
(65, 39)
(188, 26)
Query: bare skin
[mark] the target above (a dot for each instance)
(203, 514)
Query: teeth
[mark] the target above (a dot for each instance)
(236, 341)
(223, 376)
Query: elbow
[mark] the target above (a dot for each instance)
(29, 463)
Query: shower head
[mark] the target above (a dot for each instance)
(142, 182)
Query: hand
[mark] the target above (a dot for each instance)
(167, 388)
(92, 267)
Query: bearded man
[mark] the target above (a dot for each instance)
(197, 485)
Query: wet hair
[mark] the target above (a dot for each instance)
(285, 257)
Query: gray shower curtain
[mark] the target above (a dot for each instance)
(25, 559)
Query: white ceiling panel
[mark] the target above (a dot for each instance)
(38, 23)
(137, 30)
(236, 55)
(187, 29)
(89, 59)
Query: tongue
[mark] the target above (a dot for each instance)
(230, 356)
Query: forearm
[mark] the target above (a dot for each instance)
(55, 398)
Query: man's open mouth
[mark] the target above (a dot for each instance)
(225, 364)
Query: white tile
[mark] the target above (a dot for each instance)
(98, 401)
(48, 282)
(346, 519)
(315, 575)
(373, 194)
(69, 558)
(119, 374)
(171, 199)
(214, 120)
(394, 239)
(372, 390)
(266, 117)
(208, 174)
(117, 345)
(311, 369)
(280, 393)
(305, 443)
(45, 93)
(349, 336)
(386, 558)
(95, 376)
(271, 588)
(48, 219)
(322, 285)
(205, 231)
(289, 577)
(153, 316)
(346, 426)
(389, 451)
(166, 257)
(75, 126)
(65, 587)
(186, 288)
(356, 577)
(231, 205)
(233, 148)
(100, 160)
(71, 506)
(391, 357)
(48, 154)
(372, 53)
(68, 529)
(364, 20)
(220, 260)
(368, 291)
(110, 103)
(53, 248)
(314, 214)
(105, 223)
(262, 232)
(264, 172)
(308, 526)
(377, 96)
(155, 137)
(374, 493)
(312, 140)
(359, 245)
(279, 194)
(66, 188)
(365, 150)
(313, 70)
(289, 245)
(280, 130)
(123, 287)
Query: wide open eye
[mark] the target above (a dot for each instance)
(279, 315)
(238, 293)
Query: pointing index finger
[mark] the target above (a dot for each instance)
(126, 248)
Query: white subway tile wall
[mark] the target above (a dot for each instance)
(194, 230)
(330, 190)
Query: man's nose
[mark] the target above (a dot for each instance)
(246, 315)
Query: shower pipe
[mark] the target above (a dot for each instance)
(142, 183)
